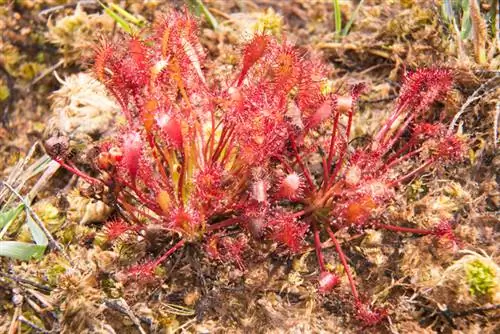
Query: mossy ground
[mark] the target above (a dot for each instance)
(276, 292)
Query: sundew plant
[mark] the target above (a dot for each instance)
(200, 153)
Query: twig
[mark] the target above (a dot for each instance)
(450, 315)
(474, 97)
(495, 125)
(33, 325)
(25, 281)
(121, 305)
(39, 222)
(185, 325)
(50, 10)
(4, 114)
(14, 325)
(384, 99)
(475, 310)
(46, 72)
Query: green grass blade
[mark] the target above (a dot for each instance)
(178, 309)
(120, 21)
(210, 18)
(493, 18)
(7, 217)
(349, 23)
(337, 16)
(126, 15)
(38, 235)
(117, 18)
(466, 22)
(447, 11)
(21, 250)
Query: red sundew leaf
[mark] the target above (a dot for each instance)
(288, 231)
(286, 67)
(423, 87)
(209, 187)
(185, 220)
(423, 131)
(226, 249)
(116, 228)
(450, 148)
(143, 272)
(171, 130)
(103, 55)
(138, 51)
(370, 316)
(322, 113)
(252, 52)
(444, 230)
(132, 150)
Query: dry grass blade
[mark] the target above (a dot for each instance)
(121, 305)
(178, 309)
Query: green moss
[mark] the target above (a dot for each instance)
(40, 57)
(327, 87)
(416, 190)
(50, 215)
(53, 272)
(270, 22)
(101, 240)
(4, 92)
(480, 278)
(10, 57)
(67, 235)
(28, 71)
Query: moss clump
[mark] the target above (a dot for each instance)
(416, 190)
(4, 93)
(480, 278)
(28, 71)
(53, 272)
(270, 22)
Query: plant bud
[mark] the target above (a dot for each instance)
(327, 281)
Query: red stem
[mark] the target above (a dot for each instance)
(228, 153)
(383, 132)
(411, 174)
(180, 182)
(403, 229)
(338, 166)
(393, 162)
(344, 263)
(289, 169)
(212, 134)
(154, 149)
(332, 141)
(222, 142)
(131, 208)
(223, 224)
(317, 246)
(325, 173)
(302, 166)
(398, 153)
(162, 258)
(150, 204)
(209, 149)
(388, 146)
(77, 172)
(299, 213)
